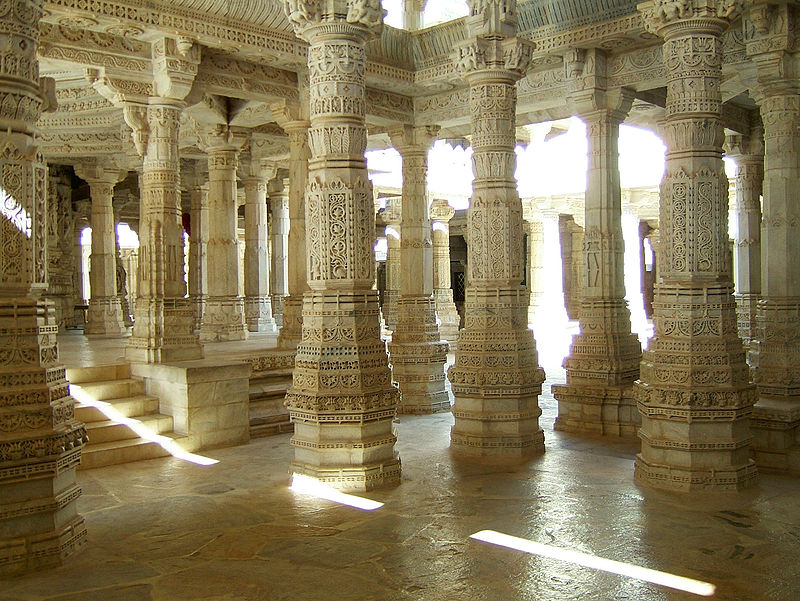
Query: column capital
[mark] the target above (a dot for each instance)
(746, 147)
(289, 115)
(410, 138)
(596, 103)
(100, 172)
(222, 137)
(441, 210)
(666, 18)
(489, 58)
(309, 18)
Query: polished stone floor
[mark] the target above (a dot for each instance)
(170, 530)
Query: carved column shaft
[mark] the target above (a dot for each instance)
(749, 155)
(223, 315)
(776, 351)
(604, 358)
(40, 440)
(105, 311)
(694, 395)
(258, 303)
(164, 326)
(291, 328)
(279, 207)
(496, 378)
(391, 295)
(341, 400)
(198, 242)
(416, 352)
(446, 312)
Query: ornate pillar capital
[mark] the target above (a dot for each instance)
(410, 138)
(316, 18)
(441, 210)
(100, 172)
(670, 18)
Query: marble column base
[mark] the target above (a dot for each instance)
(746, 308)
(701, 451)
(198, 303)
(775, 426)
(418, 358)
(223, 319)
(277, 308)
(40, 443)
(105, 318)
(258, 314)
(163, 332)
(342, 401)
(448, 318)
(496, 380)
(390, 299)
(602, 410)
(292, 328)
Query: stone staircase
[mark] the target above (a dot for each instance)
(268, 388)
(116, 410)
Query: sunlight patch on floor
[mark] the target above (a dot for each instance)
(688, 585)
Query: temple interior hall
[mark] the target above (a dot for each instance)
(393, 300)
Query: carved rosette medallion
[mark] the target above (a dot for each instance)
(496, 378)
(694, 396)
(40, 440)
(342, 401)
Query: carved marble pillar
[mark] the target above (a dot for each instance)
(163, 330)
(571, 238)
(198, 243)
(279, 230)
(223, 314)
(694, 395)
(441, 214)
(775, 351)
(342, 401)
(496, 378)
(105, 312)
(392, 215)
(257, 300)
(604, 358)
(748, 152)
(536, 283)
(288, 117)
(40, 440)
(122, 283)
(417, 354)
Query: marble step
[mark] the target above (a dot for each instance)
(108, 390)
(120, 451)
(268, 416)
(98, 373)
(133, 406)
(109, 430)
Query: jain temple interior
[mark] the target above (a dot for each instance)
(400, 299)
